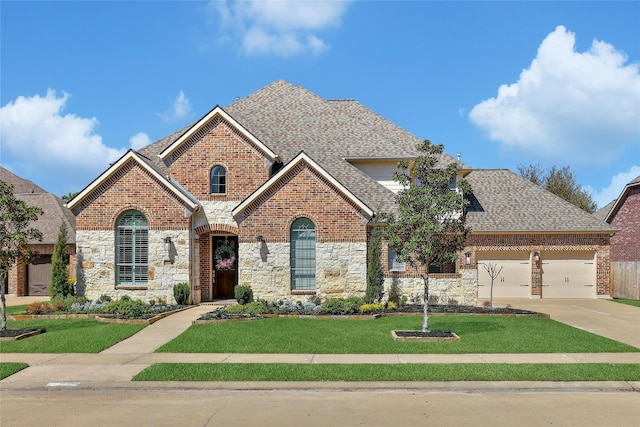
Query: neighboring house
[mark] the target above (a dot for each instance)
(34, 278)
(624, 214)
(280, 191)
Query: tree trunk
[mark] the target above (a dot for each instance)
(3, 277)
(425, 323)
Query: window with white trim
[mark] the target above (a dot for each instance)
(303, 255)
(218, 180)
(132, 249)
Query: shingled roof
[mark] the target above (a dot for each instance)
(505, 202)
(53, 207)
(290, 119)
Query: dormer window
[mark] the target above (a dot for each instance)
(218, 180)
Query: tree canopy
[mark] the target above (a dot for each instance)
(429, 226)
(561, 182)
(15, 234)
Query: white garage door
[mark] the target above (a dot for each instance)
(568, 275)
(514, 279)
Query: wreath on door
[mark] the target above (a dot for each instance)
(225, 257)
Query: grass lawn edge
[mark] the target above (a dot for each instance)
(389, 372)
(9, 368)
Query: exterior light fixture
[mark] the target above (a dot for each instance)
(467, 258)
(167, 244)
(260, 241)
(536, 256)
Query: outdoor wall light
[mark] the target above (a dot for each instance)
(260, 241)
(167, 243)
(467, 258)
(536, 256)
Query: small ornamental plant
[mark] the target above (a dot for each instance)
(225, 257)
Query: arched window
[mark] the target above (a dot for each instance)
(303, 255)
(132, 249)
(218, 180)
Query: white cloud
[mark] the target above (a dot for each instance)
(180, 109)
(613, 190)
(283, 28)
(139, 140)
(584, 107)
(35, 132)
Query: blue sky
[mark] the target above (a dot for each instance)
(504, 83)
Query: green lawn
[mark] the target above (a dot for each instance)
(479, 334)
(633, 302)
(10, 368)
(399, 372)
(68, 336)
(15, 309)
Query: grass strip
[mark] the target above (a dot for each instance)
(68, 336)
(398, 372)
(17, 309)
(479, 334)
(633, 302)
(10, 368)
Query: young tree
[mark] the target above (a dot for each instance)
(429, 226)
(561, 182)
(60, 285)
(494, 273)
(375, 274)
(15, 234)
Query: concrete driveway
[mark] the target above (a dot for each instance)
(620, 322)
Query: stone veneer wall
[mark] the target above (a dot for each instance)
(445, 288)
(96, 258)
(340, 270)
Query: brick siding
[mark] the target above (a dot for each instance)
(625, 245)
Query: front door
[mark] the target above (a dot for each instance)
(225, 266)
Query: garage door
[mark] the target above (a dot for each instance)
(39, 275)
(513, 281)
(568, 275)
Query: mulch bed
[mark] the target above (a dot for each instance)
(428, 336)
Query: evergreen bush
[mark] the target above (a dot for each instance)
(375, 273)
(60, 285)
(243, 294)
(181, 293)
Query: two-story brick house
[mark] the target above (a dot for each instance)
(279, 191)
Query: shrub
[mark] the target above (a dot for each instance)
(59, 262)
(126, 308)
(181, 293)
(38, 308)
(103, 298)
(342, 305)
(375, 273)
(243, 294)
(377, 307)
(253, 309)
(67, 301)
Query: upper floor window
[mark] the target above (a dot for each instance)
(132, 249)
(218, 180)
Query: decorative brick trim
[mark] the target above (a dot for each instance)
(298, 292)
(132, 288)
(217, 228)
